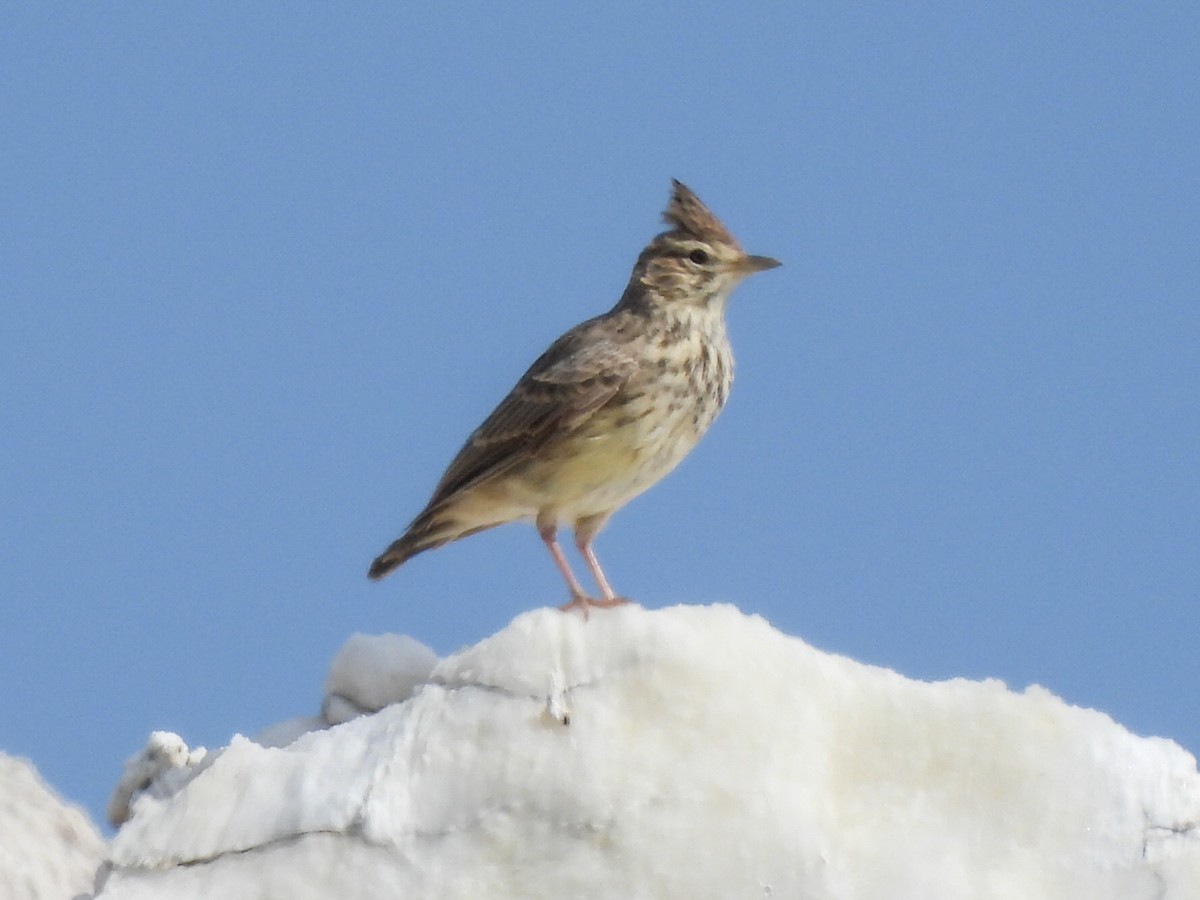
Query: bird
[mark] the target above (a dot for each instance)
(611, 407)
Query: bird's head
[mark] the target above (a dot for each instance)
(697, 262)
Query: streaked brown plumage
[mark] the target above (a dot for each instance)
(610, 408)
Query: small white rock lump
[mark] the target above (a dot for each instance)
(691, 752)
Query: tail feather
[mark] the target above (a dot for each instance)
(429, 531)
(397, 553)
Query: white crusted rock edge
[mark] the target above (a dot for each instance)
(689, 752)
(48, 848)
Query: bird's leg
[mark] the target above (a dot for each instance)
(585, 531)
(548, 534)
(609, 599)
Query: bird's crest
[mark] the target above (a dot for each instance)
(686, 213)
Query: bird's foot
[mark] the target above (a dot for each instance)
(610, 602)
(580, 602)
(583, 603)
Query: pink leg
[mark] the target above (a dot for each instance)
(585, 530)
(547, 531)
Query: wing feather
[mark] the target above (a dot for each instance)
(565, 386)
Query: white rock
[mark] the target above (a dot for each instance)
(162, 766)
(706, 755)
(283, 733)
(370, 672)
(48, 848)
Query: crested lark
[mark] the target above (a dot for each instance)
(610, 408)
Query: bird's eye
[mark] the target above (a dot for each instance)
(699, 257)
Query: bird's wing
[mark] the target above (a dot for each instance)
(568, 383)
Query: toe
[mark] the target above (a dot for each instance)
(610, 602)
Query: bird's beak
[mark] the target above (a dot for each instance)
(748, 265)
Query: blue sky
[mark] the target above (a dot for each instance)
(265, 268)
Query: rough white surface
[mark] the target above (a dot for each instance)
(690, 752)
(161, 766)
(49, 850)
(370, 672)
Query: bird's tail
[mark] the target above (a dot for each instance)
(397, 553)
(430, 530)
